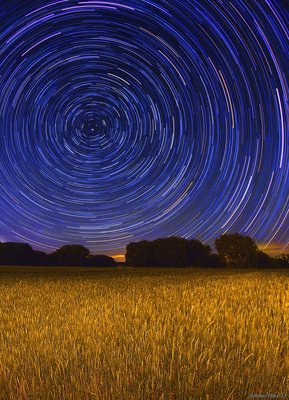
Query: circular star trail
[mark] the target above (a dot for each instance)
(130, 120)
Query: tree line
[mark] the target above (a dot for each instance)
(234, 250)
(69, 255)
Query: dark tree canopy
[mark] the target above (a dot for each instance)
(40, 258)
(169, 252)
(263, 260)
(198, 254)
(16, 254)
(216, 261)
(140, 254)
(241, 251)
(71, 255)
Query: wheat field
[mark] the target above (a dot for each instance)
(128, 334)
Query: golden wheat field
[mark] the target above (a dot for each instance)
(128, 334)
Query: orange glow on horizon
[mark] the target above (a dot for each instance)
(274, 248)
(119, 257)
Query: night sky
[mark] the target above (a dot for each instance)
(130, 120)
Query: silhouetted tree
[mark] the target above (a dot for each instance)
(140, 254)
(215, 261)
(169, 252)
(40, 258)
(237, 250)
(15, 254)
(71, 255)
(198, 254)
(263, 260)
(101, 261)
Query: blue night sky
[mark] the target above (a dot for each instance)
(129, 120)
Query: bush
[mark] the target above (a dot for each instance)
(101, 261)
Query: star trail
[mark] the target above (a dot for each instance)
(129, 120)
